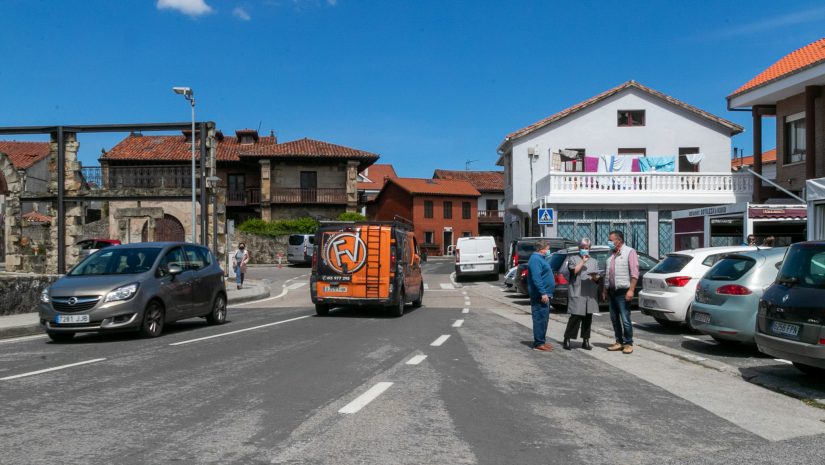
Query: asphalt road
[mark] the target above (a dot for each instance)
(451, 382)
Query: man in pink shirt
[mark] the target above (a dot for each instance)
(620, 285)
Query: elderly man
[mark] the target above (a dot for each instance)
(540, 286)
(582, 294)
(622, 275)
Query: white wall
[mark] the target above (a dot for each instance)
(482, 201)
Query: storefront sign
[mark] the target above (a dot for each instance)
(708, 211)
(778, 213)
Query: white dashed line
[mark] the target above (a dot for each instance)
(426, 287)
(782, 360)
(441, 340)
(597, 314)
(446, 286)
(464, 293)
(458, 323)
(365, 398)
(416, 360)
(61, 367)
(22, 338)
(238, 331)
(465, 310)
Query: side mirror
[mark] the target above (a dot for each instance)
(175, 270)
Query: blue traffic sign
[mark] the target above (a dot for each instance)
(546, 216)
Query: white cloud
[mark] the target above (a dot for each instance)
(332, 2)
(241, 13)
(776, 22)
(187, 7)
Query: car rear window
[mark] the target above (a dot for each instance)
(804, 266)
(556, 261)
(296, 239)
(730, 268)
(525, 248)
(673, 263)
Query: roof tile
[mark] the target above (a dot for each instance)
(798, 60)
(768, 157)
(376, 175)
(483, 181)
(24, 154)
(418, 186)
(307, 148)
(174, 148)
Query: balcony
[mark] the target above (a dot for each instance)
(316, 195)
(642, 188)
(138, 177)
(243, 197)
(491, 216)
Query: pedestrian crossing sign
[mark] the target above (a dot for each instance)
(546, 216)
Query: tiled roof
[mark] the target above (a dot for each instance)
(734, 128)
(418, 186)
(794, 62)
(176, 148)
(36, 217)
(24, 154)
(307, 148)
(376, 175)
(484, 181)
(768, 158)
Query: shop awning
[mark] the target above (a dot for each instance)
(778, 213)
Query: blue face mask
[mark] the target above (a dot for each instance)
(584, 252)
(611, 245)
(548, 253)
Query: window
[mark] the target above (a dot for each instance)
(576, 163)
(637, 152)
(174, 257)
(465, 210)
(627, 118)
(448, 210)
(195, 258)
(492, 205)
(428, 209)
(795, 138)
(466, 234)
(429, 237)
(684, 165)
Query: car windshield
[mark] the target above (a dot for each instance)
(730, 268)
(296, 239)
(804, 266)
(117, 260)
(673, 263)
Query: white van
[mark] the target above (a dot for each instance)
(300, 249)
(476, 256)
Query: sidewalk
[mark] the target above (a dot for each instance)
(26, 324)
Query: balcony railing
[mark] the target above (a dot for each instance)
(241, 197)
(650, 187)
(316, 195)
(143, 177)
(490, 216)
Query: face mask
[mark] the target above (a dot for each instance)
(584, 252)
(241, 248)
(548, 253)
(611, 245)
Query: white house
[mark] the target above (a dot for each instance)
(634, 155)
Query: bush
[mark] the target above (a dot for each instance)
(351, 216)
(258, 226)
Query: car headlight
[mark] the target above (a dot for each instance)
(122, 293)
(44, 296)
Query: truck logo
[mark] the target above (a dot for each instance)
(345, 253)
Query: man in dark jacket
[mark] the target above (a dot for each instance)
(540, 285)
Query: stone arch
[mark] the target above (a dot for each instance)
(11, 186)
(167, 229)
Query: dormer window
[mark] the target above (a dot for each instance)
(247, 136)
(628, 118)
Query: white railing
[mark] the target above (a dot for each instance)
(648, 185)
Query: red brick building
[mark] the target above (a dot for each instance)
(441, 210)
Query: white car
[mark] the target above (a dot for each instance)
(669, 288)
(476, 256)
(510, 277)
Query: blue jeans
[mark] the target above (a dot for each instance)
(541, 316)
(620, 316)
(238, 275)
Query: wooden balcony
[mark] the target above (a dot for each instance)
(287, 195)
(242, 198)
(491, 216)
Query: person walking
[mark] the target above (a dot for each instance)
(622, 274)
(582, 294)
(239, 260)
(540, 287)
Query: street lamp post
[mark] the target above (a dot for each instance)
(190, 97)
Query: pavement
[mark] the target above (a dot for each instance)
(26, 324)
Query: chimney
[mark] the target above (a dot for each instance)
(273, 136)
(247, 136)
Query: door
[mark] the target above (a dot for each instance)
(309, 186)
(202, 287)
(448, 241)
(176, 291)
(236, 191)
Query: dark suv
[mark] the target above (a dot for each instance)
(791, 319)
(521, 249)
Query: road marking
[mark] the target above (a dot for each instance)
(464, 292)
(238, 331)
(294, 286)
(22, 338)
(426, 287)
(416, 360)
(692, 338)
(446, 286)
(597, 314)
(458, 323)
(782, 360)
(465, 310)
(61, 367)
(441, 340)
(365, 398)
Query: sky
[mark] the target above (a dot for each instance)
(425, 84)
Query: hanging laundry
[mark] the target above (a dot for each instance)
(695, 158)
(659, 164)
(635, 165)
(622, 163)
(591, 164)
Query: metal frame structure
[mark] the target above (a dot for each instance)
(62, 130)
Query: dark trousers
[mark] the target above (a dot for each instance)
(572, 330)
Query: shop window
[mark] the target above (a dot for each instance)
(428, 209)
(795, 138)
(628, 118)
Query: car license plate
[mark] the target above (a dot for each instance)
(649, 303)
(335, 289)
(468, 267)
(701, 317)
(64, 319)
(785, 329)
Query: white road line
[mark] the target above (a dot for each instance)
(61, 367)
(294, 286)
(426, 287)
(446, 286)
(458, 323)
(464, 292)
(441, 340)
(261, 300)
(597, 314)
(365, 398)
(782, 360)
(465, 310)
(22, 338)
(416, 360)
(239, 331)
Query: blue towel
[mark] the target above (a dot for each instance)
(659, 164)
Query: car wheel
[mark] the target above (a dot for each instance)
(153, 318)
(321, 309)
(398, 309)
(218, 314)
(666, 323)
(417, 302)
(725, 342)
(60, 337)
(689, 320)
(809, 370)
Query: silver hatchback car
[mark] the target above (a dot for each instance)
(135, 287)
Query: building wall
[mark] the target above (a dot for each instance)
(792, 175)
(288, 175)
(437, 224)
(482, 201)
(182, 210)
(394, 201)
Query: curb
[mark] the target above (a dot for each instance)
(19, 331)
(263, 290)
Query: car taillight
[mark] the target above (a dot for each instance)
(314, 262)
(822, 341)
(515, 260)
(457, 256)
(305, 249)
(560, 279)
(733, 289)
(677, 281)
(525, 272)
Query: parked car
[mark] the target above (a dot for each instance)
(510, 277)
(791, 318)
(135, 287)
(559, 264)
(669, 288)
(521, 249)
(727, 297)
(300, 249)
(90, 246)
(476, 256)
